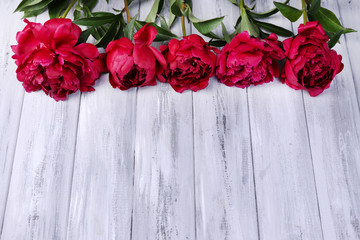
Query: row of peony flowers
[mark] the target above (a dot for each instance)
(48, 58)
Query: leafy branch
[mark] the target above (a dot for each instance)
(312, 10)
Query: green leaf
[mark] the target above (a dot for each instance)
(40, 6)
(235, 2)
(263, 34)
(247, 25)
(204, 26)
(291, 13)
(33, 13)
(314, 7)
(77, 14)
(102, 14)
(188, 2)
(250, 8)
(153, 11)
(349, 30)
(207, 26)
(238, 21)
(89, 3)
(95, 21)
(129, 28)
(87, 12)
(162, 34)
(171, 15)
(26, 3)
(163, 23)
(217, 43)
(225, 33)
(109, 35)
(176, 8)
(95, 33)
(335, 38)
(328, 20)
(264, 14)
(274, 29)
(211, 35)
(85, 35)
(57, 7)
(267, 13)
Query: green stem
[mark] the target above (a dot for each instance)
(241, 6)
(183, 20)
(68, 9)
(128, 17)
(304, 9)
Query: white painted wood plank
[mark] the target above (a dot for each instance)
(101, 199)
(164, 178)
(285, 186)
(334, 130)
(225, 197)
(37, 206)
(11, 98)
(102, 188)
(348, 12)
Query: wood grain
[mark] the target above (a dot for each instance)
(37, 206)
(285, 186)
(347, 12)
(334, 131)
(264, 163)
(11, 99)
(164, 178)
(102, 187)
(225, 197)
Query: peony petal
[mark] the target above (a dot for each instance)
(63, 31)
(118, 63)
(146, 35)
(199, 86)
(87, 50)
(143, 57)
(42, 57)
(313, 92)
(159, 57)
(40, 32)
(290, 78)
(124, 45)
(100, 63)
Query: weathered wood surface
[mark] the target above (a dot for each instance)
(285, 186)
(11, 99)
(268, 162)
(39, 192)
(102, 184)
(224, 184)
(334, 132)
(164, 165)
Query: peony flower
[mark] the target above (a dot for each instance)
(134, 65)
(48, 59)
(247, 60)
(310, 64)
(190, 63)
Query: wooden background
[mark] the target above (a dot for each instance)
(266, 162)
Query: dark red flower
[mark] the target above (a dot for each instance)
(248, 60)
(310, 64)
(48, 59)
(134, 65)
(190, 63)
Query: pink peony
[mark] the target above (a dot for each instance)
(247, 60)
(190, 63)
(48, 59)
(310, 64)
